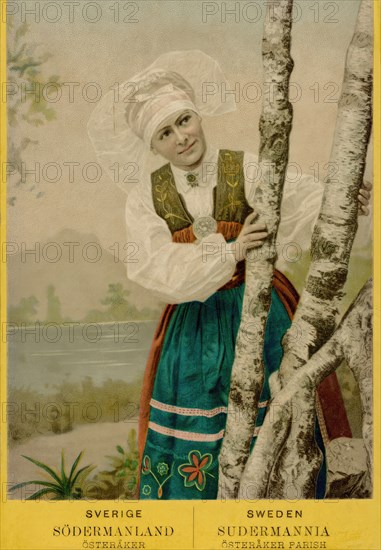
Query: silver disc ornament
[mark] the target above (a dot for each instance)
(204, 226)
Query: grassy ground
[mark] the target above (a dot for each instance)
(98, 441)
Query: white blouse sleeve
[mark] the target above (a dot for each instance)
(302, 196)
(174, 272)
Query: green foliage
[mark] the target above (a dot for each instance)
(25, 65)
(24, 69)
(118, 305)
(24, 312)
(118, 482)
(59, 412)
(63, 486)
(119, 308)
(121, 480)
(21, 429)
(54, 306)
(116, 294)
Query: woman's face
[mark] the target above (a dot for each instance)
(180, 139)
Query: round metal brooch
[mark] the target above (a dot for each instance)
(204, 226)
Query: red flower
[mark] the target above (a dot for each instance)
(194, 472)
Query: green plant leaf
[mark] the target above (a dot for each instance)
(47, 469)
(75, 464)
(63, 474)
(132, 441)
(84, 474)
(120, 449)
(116, 461)
(64, 487)
(90, 468)
(23, 29)
(131, 484)
(134, 464)
(38, 494)
(35, 482)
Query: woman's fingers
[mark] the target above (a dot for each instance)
(252, 235)
(364, 199)
(366, 191)
(251, 217)
(253, 227)
(253, 244)
(366, 185)
(363, 210)
(247, 233)
(256, 236)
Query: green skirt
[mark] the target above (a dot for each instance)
(190, 397)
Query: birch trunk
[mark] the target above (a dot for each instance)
(357, 346)
(248, 369)
(348, 473)
(298, 462)
(335, 229)
(353, 334)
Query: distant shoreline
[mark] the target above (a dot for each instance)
(79, 323)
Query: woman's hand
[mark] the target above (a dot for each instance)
(364, 198)
(251, 236)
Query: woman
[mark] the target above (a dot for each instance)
(193, 219)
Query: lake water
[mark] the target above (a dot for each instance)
(42, 356)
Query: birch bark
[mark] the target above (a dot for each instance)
(357, 347)
(248, 369)
(354, 334)
(296, 458)
(335, 229)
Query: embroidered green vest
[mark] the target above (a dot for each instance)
(230, 203)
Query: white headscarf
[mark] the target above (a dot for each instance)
(123, 123)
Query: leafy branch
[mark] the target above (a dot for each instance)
(27, 100)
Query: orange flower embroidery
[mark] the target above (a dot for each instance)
(195, 471)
